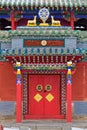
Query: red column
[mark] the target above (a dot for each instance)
(19, 104)
(1, 127)
(69, 103)
(13, 24)
(19, 94)
(69, 93)
(72, 20)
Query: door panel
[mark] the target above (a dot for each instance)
(52, 104)
(35, 96)
(44, 95)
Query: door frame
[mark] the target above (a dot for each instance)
(27, 116)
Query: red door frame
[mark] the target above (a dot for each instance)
(59, 116)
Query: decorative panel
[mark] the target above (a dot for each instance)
(32, 43)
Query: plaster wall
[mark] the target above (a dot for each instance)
(7, 82)
(79, 87)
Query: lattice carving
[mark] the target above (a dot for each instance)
(63, 94)
(25, 93)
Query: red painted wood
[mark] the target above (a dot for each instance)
(1, 127)
(7, 82)
(69, 103)
(72, 20)
(35, 108)
(8, 89)
(13, 24)
(29, 43)
(69, 58)
(79, 84)
(49, 108)
(44, 117)
(1, 62)
(19, 104)
(44, 108)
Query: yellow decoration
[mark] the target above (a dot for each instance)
(31, 25)
(43, 42)
(69, 71)
(38, 97)
(44, 24)
(55, 22)
(49, 97)
(69, 63)
(18, 64)
(32, 22)
(18, 71)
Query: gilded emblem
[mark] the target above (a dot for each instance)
(44, 43)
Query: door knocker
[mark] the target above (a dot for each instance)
(39, 87)
(48, 87)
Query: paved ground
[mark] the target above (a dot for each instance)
(43, 124)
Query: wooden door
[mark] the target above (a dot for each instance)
(51, 95)
(44, 95)
(36, 94)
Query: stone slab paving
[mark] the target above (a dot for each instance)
(44, 125)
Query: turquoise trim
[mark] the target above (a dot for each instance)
(42, 51)
(44, 38)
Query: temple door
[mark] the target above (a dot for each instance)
(44, 97)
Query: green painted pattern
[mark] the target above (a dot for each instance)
(6, 36)
(44, 67)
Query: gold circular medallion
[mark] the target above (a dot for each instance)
(44, 43)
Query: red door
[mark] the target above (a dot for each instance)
(44, 96)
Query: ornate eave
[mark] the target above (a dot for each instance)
(56, 57)
(44, 62)
(35, 4)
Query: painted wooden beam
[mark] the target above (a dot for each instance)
(13, 24)
(72, 20)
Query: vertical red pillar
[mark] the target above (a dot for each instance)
(19, 95)
(1, 127)
(72, 20)
(13, 24)
(69, 93)
(69, 103)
